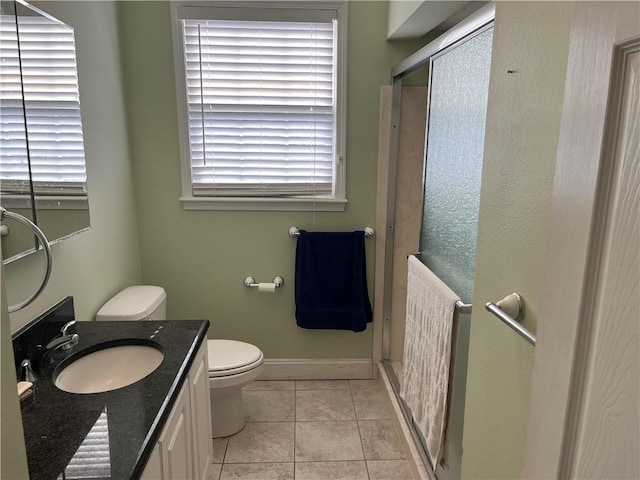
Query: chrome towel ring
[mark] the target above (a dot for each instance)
(47, 256)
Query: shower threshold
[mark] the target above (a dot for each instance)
(391, 373)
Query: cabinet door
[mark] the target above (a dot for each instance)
(201, 415)
(176, 440)
(153, 469)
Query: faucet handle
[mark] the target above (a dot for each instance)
(64, 342)
(75, 338)
(66, 326)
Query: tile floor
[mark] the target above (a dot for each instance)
(313, 430)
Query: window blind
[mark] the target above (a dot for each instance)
(261, 107)
(46, 66)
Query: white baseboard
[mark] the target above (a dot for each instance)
(317, 369)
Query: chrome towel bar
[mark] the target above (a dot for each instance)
(511, 311)
(463, 307)
(460, 305)
(295, 231)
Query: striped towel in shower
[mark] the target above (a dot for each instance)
(429, 350)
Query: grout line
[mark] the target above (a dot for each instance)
(355, 410)
(364, 458)
(331, 461)
(224, 455)
(295, 422)
(257, 463)
(295, 425)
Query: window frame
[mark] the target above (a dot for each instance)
(338, 201)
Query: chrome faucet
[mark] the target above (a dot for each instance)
(27, 374)
(64, 341)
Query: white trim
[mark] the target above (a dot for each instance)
(299, 5)
(189, 202)
(251, 11)
(183, 120)
(340, 180)
(264, 204)
(317, 369)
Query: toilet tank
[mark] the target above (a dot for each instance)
(140, 302)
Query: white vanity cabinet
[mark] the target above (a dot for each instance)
(201, 432)
(185, 447)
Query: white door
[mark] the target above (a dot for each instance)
(585, 404)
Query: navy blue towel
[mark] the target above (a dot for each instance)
(331, 281)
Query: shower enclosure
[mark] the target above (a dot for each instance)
(439, 223)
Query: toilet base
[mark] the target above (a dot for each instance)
(227, 411)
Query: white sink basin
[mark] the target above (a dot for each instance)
(109, 369)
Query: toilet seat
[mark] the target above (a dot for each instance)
(231, 357)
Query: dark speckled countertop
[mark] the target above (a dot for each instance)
(56, 423)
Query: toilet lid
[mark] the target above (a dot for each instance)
(231, 356)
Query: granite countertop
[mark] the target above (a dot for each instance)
(110, 434)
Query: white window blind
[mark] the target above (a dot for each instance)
(261, 102)
(44, 69)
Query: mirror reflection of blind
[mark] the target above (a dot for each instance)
(93, 457)
(47, 64)
(14, 168)
(261, 106)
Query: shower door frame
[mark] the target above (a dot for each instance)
(473, 25)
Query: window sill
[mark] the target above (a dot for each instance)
(264, 204)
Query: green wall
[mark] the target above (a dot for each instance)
(523, 121)
(202, 257)
(20, 239)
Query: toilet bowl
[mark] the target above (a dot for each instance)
(232, 364)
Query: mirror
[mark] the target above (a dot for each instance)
(15, 186)
(42, 164)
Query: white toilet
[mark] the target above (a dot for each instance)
(232, 364)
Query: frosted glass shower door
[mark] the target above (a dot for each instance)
(454, 149)
(459, 86)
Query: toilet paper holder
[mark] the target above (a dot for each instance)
(278, 281)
